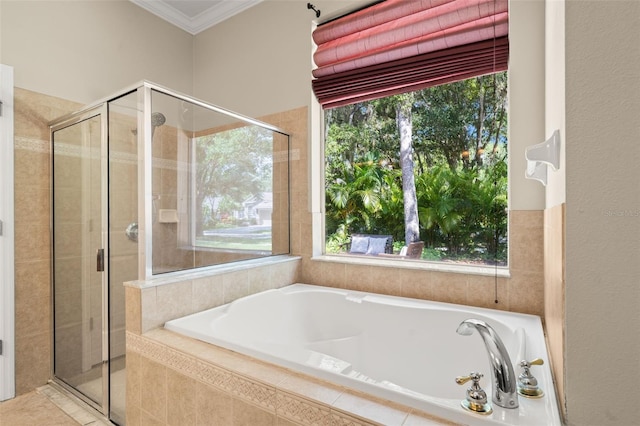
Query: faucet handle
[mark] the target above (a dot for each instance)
(476, 396)
(527, 383)
(537, 361)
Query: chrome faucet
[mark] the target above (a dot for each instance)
(505, 392)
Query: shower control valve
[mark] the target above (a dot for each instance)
(527, 383)
(476, 396)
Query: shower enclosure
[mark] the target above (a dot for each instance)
(150, 182)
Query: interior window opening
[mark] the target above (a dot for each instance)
(233, 188)
(420, 175)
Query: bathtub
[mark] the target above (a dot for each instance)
(400, 349)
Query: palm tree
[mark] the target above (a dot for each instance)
(489, 213)
(355, 195)
(439, 206)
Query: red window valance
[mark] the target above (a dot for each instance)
(402, 45)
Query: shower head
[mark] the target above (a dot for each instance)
(157, 119)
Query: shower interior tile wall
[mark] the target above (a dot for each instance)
(33, 325)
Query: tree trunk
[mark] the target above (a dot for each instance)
(403, 119)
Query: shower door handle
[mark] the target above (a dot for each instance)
(100, 260)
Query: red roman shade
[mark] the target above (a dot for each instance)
(403, 45)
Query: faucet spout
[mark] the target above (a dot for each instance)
(505, 392)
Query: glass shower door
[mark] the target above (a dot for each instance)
(79, 253)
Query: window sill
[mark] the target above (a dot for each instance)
(225, 250)
(500, 271)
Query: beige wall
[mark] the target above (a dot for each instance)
(554, 215)
(254, 78)
(554, 294)
(526, 98)
(259, 62)
(87, 50)
(602, 211)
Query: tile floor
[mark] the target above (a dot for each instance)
(45, 406)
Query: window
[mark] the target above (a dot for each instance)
(416, 122)
(233, 190)
(220, 186)
(427, 166)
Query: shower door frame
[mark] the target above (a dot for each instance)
(103, 406)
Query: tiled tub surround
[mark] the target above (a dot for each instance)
(400, 349)
(194, 384)
(174, 380)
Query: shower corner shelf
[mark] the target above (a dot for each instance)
(167, 216)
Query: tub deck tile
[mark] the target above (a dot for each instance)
(416, 418)
(311, 389)
(370, 409)
(281, 393)
(342, 419)
(300, 410)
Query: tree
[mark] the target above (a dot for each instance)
(439, 207)
(438, 155)
(404, 106)
(231, 166)
(458, 122)
(355, 195)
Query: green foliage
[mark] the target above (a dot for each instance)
(460, 144)
(432, 254)
(231, 166)
(439, 204)
(465, 211)
(355, 193)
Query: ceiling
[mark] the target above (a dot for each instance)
(194, 16)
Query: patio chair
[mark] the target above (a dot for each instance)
(370, 244)
(412, 251)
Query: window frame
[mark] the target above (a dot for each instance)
(317, 191)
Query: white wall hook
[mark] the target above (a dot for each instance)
(537, 171)
(546, 152)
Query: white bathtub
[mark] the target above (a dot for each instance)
(404, 350)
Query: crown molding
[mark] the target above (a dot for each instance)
(217, 13)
